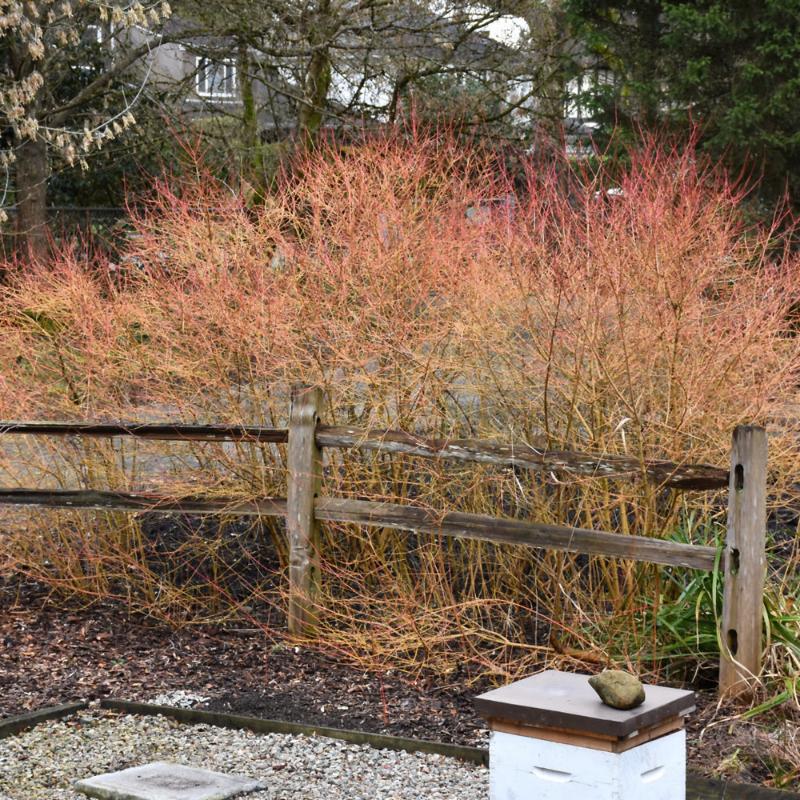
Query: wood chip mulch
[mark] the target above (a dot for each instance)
(50, 656)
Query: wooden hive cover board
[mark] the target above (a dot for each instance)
(564, 700)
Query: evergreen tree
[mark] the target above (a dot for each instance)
(731, 67)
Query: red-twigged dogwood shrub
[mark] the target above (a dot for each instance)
(427, 287)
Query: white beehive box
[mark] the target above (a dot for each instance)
(552, 739)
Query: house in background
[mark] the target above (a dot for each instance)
(417, 54)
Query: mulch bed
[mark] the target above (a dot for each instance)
(49, 656)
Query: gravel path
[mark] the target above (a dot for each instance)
(41, 764)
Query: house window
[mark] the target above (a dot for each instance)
(91, 38)
(215, 78)
(584, 91)
(93, 34)
(575, 98)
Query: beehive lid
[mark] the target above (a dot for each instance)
(564, 700)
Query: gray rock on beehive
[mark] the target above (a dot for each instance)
(618, 689)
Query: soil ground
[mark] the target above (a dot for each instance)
(49, 656)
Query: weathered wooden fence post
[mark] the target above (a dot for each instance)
(304, 478)
(745, 562)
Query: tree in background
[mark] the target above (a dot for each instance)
(732, 68)
(62, 96)
(73, 71)
(330, 64)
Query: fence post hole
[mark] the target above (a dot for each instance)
(304, 478)
(744, 562)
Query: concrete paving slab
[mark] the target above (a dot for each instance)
(164, 781)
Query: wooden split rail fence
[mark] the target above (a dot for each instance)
(743, 558)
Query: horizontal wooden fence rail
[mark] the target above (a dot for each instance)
(390, 515)
(742, 558)
(89, 499)
(515, 531)
(163, 431)
(520, 454)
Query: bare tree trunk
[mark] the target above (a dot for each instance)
(253, 166)
(32, 173)
(318, 74)
(547, 26)
(249, 114)
(318, 81)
